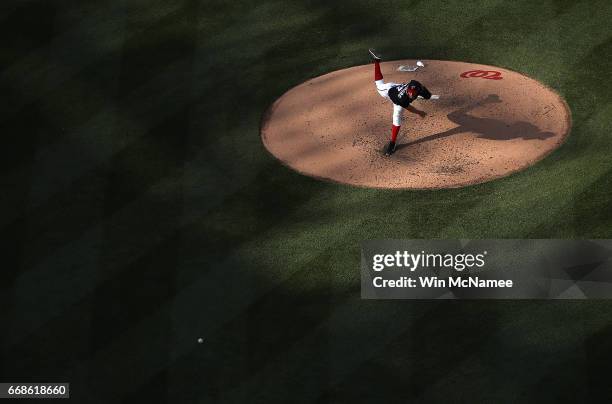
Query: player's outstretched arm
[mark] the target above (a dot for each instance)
(425, 92)
(420, 113)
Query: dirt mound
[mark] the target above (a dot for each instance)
(489, 122)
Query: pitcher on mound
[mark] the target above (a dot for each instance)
(400, 94)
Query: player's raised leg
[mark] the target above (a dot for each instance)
(397, 123)
(376, 58)
(381, 87)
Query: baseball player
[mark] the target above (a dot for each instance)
(401, 95)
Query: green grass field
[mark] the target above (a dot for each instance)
(140, 210)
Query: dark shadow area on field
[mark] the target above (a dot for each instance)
(133, 172)
(275, 318)
(79, 91)
(451, 345)
(429, 351)
(125, 294)
(140, 161)
(25, 27)
(302, 303)
(565, 369)
(485, 128)
(12, 239)
(598, 347)
(76, 210)
(79, 40)
(146, 240)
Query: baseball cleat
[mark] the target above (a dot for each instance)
(390, 149)
(374, 55)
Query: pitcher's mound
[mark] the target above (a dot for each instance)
(489, 122)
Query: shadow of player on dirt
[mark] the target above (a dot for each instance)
(485, 128)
